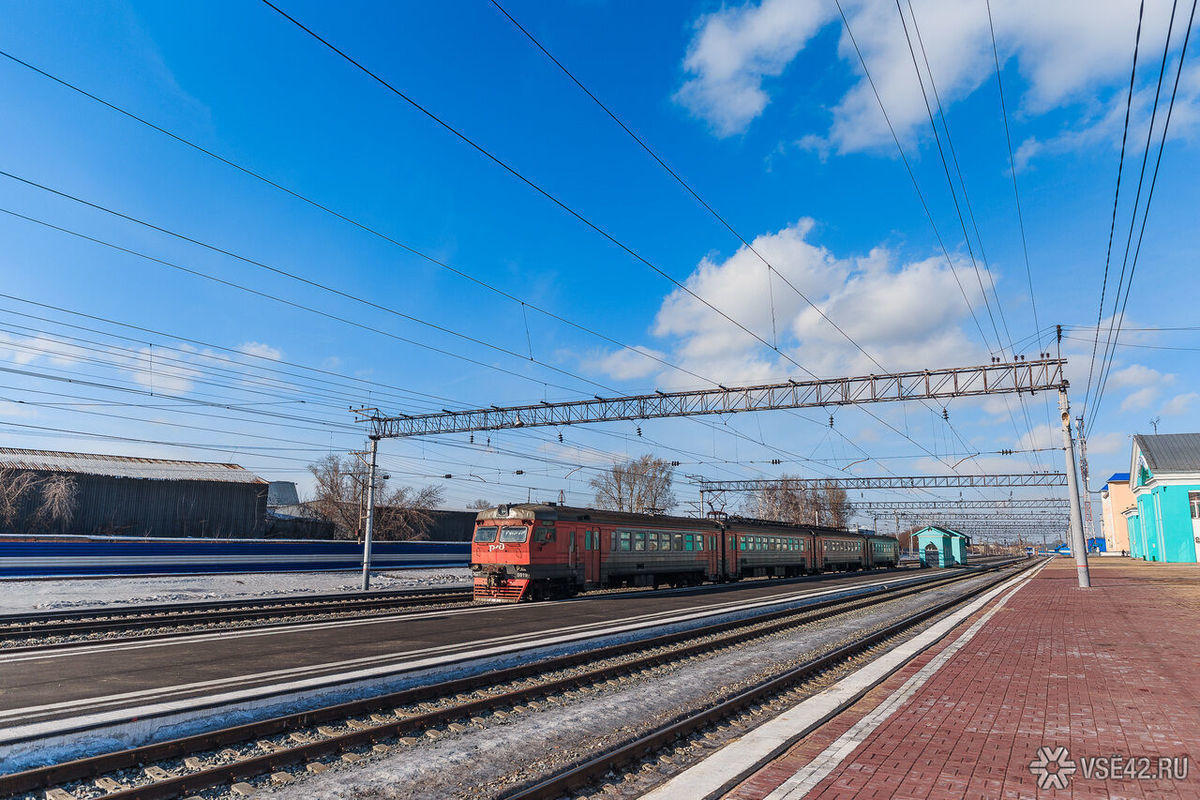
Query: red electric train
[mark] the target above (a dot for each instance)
(533, 551)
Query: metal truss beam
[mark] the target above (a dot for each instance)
(894, 482)
(939, 384)
(1006, 504)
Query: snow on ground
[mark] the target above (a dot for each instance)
(21, 596)
(480, 763)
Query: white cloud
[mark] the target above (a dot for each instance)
(626, 364)
(1107, 444)
(30, 350)
(1180, 403)
(1137, 375)
(8, 409)
(735, 49)
(908, 316)
(261, 350)
(1067, 51)
(1039, 437)
(1141, 398)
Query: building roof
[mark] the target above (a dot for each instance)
(282, 493)
(1118, 477)
(1170, 452)
(124, 466)
(944, 531)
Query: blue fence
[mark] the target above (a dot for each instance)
(80, 556)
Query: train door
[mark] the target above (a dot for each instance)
(592, 556)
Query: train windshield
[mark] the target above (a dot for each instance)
(485, 534)
(514, 534)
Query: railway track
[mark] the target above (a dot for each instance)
(607, 766)
(82, 625)
(79, 622)
(229, 756)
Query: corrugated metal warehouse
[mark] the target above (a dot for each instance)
(119, 495)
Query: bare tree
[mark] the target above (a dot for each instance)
(341, 495)
(59, 498)
(17, 488)
(796, 502)
(642, 486)
(480, 504)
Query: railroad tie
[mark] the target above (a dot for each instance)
(156, 773)
(109, 785)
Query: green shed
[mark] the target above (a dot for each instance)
(941, 547)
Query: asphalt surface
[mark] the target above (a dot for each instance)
(131, 677)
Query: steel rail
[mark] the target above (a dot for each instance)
(93, 766)
(26, 626)
(595, 768)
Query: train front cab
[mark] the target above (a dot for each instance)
(524, 552)
(500, 559)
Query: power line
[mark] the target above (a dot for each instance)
(705, 204)
(1112, 225)
(966, 197)
(1149, 198)
(350, 220)
(1013, 170)
(551, 197)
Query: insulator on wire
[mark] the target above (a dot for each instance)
(639, 430)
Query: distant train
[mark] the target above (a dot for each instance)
(532, 551)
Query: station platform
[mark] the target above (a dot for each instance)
(1045, 691)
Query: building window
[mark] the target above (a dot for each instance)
(1194, 502)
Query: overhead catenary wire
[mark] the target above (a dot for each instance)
(1116, 333)
(966, 200)
(554, 199)
(771, 269)
(1112, 225)
(344, 217)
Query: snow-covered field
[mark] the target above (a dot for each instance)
(18, 596)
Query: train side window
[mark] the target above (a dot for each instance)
(677, 541)
(689, 542)
(639, 540)
(587, 540)
(699, 541)
(486, 534)
(543, 534)
(651, 541)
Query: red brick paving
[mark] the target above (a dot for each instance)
(1111, 670)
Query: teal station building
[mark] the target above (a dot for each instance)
(1164, 524)
(941, 547)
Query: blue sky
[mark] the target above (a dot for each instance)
(761, 107)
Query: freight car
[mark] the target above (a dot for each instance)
(533, 551)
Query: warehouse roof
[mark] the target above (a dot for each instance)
(124, 466)
(1170, 452)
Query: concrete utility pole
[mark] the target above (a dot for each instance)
(1078, 544)
(366, 581)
